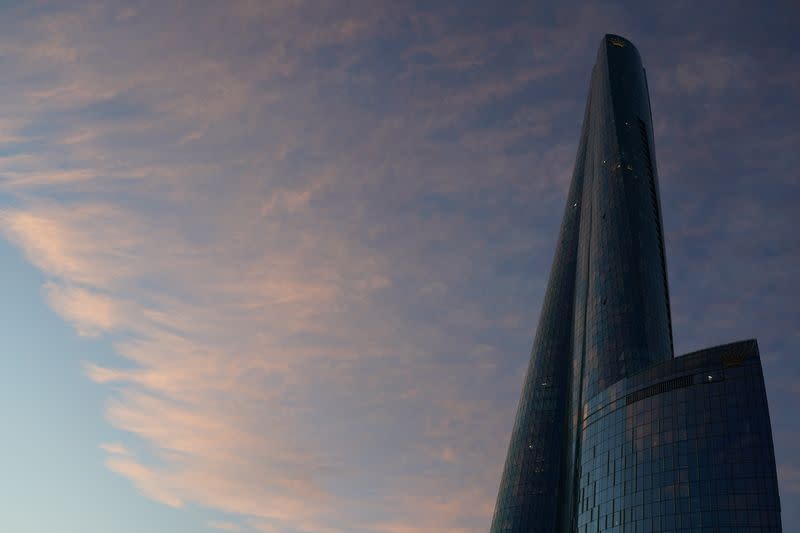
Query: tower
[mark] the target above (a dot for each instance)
(614, 433)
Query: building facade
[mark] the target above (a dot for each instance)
(613, 433)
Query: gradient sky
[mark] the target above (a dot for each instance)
(276, 266)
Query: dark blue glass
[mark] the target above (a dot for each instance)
(612, 432)
(683, 446)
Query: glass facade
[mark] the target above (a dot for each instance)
(683, 446)
(613, 433)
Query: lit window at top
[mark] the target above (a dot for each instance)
(616, 41)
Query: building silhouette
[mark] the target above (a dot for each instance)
(613, 433)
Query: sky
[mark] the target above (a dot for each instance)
(275, 267)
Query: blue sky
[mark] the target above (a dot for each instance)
(276, 266)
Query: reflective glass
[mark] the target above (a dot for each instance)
(612, 432)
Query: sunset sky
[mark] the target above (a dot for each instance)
(275, 267)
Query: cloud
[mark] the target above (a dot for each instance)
(90, 313)
(115, 448)
(268, 368)
(225, 526)
(53, 239)
(713, 71)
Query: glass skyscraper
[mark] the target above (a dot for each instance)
(613, 432)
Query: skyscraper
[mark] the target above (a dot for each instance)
(613, 433)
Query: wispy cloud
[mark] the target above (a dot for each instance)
(225, 526)
(217, 221)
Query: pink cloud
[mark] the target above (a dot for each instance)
(265, 367)
(225, 526)
(89, 312)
